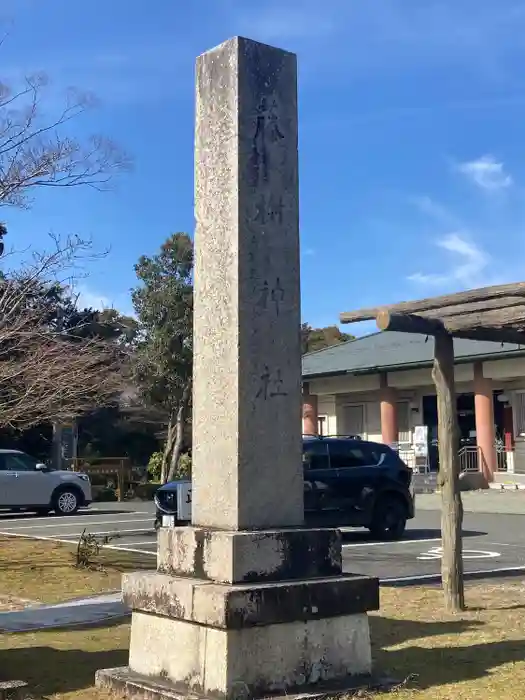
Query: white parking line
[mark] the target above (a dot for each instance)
(136, 544)
(54, 539)
(394, 542)
(130, 549)
(69, 523)
(51, 535)
(77, 517)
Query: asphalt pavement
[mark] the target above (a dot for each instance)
(494, 542)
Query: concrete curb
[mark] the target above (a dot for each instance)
(507, 487)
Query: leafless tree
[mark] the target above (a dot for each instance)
(38, 150)
(46, 377)
(48, 373)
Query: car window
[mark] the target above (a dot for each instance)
(17, 463)
(315, 455)
(349, 454)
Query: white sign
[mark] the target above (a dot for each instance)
(184, 501)
(420, 441)
(168, 521)
(437, 553)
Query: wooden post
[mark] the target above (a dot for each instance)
(448, 479)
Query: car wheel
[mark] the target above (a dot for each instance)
(66, 502)
(390, 519)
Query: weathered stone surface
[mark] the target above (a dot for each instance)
(13, 690)
(235, 607)
(247, 406)
(136, 687)
(284, 628)
(280, 658)
(239, 557)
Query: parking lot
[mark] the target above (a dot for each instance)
(493, 543)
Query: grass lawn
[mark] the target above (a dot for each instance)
(44, 571)
(476, 656)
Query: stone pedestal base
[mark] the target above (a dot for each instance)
(252, 661)
(254, 636)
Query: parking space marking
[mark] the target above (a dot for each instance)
(136, 544)
(391, 543)
(23, 517)
(115, 533)
(437, 553)
(69, 523)
(130, 549)
(43, 538)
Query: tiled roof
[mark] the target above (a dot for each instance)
(381, 351)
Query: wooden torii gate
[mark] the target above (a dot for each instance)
(489, 313)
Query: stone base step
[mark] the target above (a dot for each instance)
(13, 690)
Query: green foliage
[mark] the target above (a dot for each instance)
(183, 470)
(313, 339)
(184, 466)
(155, 466)
(163, 302)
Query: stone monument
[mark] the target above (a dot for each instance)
(246, 601)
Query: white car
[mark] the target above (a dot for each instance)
(26, 484)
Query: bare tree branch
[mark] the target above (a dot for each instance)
(36, 151)
(49, 373)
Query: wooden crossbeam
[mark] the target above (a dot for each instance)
(457, 326)
(438, 305)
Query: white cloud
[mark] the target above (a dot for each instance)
(487, 173)
(88, 298)
(91, 299)
(469, 262)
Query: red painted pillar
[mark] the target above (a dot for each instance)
(310, 415)
(485, 433)
(389, 427)
(508, 428)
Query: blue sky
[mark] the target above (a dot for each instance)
(412, 118)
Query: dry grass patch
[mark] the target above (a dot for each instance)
(477, 655)
(44, 571)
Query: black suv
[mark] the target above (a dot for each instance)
(348, 482)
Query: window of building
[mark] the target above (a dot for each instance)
(322, 423)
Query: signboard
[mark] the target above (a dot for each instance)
(65, 438)
(184, 501)
(421, 441)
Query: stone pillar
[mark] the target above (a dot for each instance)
(246, 601)
(310, 413)
(484, 410)
(388, 403)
